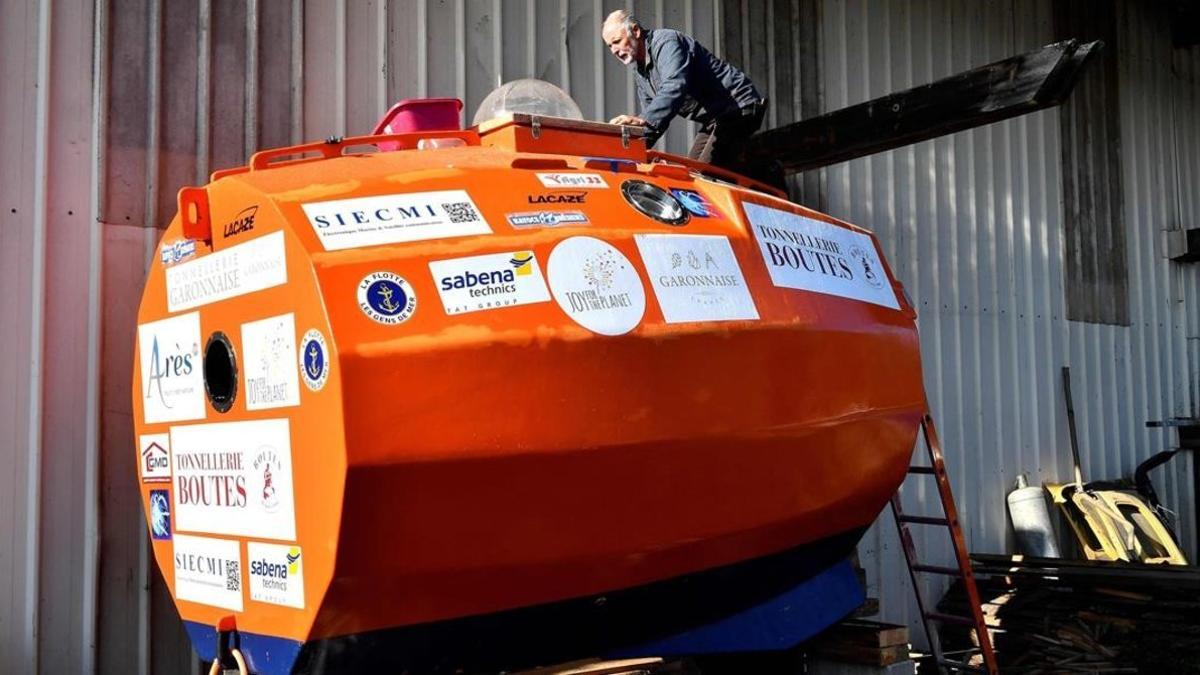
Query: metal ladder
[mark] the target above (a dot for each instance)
(937, 469)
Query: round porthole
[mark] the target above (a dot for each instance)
(220, 372)
(654, 202)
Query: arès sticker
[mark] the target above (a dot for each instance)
(253, 266)
(276, 574)
(392, 219)
(489, 281)
(386, 298)
(596, 285)
(816, 256)
(696, 278)
(172, 376)
(314, 359)
(154, 458)
(208, 571)
(574, 181)
(270, 349)
(234, 478)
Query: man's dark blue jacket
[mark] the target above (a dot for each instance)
(681, 77)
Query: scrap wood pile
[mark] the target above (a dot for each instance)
(1073, 616)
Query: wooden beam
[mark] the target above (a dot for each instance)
(1015, 86)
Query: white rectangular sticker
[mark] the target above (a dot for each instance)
(172, 374)
(392, 219)
(154, 460)
(234, 478)
(489, 281)
(253, 266)
(573, 181)
(269, 346)
(815, 256)
(696, 278)
(276, 574)
(208, 571)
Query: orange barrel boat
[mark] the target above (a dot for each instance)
(512, 395)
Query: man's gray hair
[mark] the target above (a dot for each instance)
(625, 18)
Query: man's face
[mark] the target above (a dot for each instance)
(625, 45)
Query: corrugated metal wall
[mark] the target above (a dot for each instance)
(110, 106)
(972, 223)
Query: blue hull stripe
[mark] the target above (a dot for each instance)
(779, 623)
(768, 604)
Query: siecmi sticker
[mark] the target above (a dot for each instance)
(208, 571)
(392, 219)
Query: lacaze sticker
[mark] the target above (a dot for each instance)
(234, 478)
(242, 222)
(558, 198)
(489, 281)
(816, 256)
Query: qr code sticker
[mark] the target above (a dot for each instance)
(461, 212)
(233, 575)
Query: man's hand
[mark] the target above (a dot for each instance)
(628, 120)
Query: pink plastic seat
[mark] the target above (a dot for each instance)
(419, 114)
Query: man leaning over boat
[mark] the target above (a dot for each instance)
(676, 75)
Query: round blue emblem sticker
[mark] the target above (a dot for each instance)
(387, 298)
(314, 359)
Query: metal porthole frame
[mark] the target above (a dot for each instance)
(634, 191)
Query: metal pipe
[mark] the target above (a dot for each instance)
(90, 600)
(37, 293)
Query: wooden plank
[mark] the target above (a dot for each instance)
(997, 91)
(866, 633)
(879, 656)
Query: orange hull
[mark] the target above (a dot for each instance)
(443, 459)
